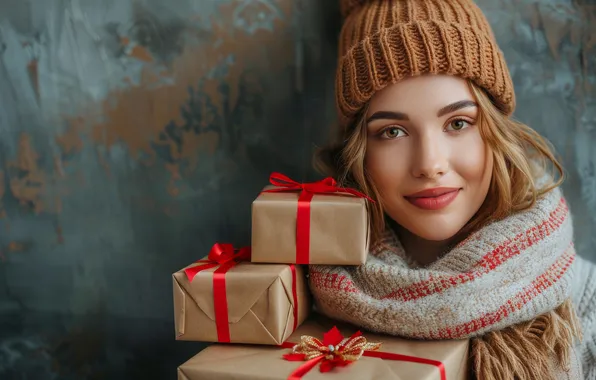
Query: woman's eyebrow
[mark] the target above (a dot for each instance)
(456, 106)
(395, 115)
(387, 115)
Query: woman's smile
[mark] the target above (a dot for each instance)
(434, 199)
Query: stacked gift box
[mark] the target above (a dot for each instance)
(254, 303)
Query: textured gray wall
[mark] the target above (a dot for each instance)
(133, 134)
(550, 47)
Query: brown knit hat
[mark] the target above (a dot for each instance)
(384, 41)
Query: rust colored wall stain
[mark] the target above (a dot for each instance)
(136, 51)
(141, 53)
(27, 180)
(174, 170)
(15, 246)
(135, 116)
(195, 144)
(71, 141)
(138, 116)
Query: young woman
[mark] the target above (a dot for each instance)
(471, 236)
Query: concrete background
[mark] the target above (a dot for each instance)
(134, 134)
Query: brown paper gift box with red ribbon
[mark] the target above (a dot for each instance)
(309, 223)
(322, 354)
(225, 298)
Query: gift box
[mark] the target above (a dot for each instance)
(225, 298)
(394, 358)
(313, 223)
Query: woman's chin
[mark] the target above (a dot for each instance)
(437, 227)
(434, 232)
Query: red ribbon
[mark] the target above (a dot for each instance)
(331, 354)
(225, 256)
(307, 191)
(221, 254)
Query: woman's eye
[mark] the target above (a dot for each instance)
(458, 124)
(392, 132)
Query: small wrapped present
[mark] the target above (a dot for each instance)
(227, 299)
(311, 223)
(317, 351)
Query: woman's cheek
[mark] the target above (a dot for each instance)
(386, 163)
(469, 158)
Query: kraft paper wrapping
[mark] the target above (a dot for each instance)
(339, 231)
(232, 362)
(260, 304)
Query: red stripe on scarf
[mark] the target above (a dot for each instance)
(490, 261)
(540, 284)
(331, 281)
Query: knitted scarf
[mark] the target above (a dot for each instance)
(507, 286)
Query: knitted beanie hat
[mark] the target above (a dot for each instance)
(384, 41)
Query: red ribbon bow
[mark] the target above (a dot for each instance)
(337, 351)
(225, 256)
(307, 191)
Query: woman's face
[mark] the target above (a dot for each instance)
(425, 154)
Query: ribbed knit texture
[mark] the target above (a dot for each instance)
(384, 41)
(509, 272)
(584, 296)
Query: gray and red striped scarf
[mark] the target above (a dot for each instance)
(508, 272)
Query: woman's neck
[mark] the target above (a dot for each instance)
(422, 251)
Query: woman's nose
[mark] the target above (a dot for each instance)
(430, 159)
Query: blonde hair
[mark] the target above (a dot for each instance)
(520, 156)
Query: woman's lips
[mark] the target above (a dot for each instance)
(433, 199)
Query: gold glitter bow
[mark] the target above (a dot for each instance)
(335, 349)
